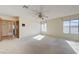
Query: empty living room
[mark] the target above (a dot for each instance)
(39, 29)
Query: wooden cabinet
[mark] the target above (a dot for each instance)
(9, 29)
(6, 29)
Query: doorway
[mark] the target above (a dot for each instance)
(9, 29)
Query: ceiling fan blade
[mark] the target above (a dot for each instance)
(44, 16)
(25, 6)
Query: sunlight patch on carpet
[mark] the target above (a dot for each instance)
(39, 37)
(74, 45)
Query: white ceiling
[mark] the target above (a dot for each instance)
(52, 11)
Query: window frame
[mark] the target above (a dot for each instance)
(66, 26)
(70, 26)
(43, 24)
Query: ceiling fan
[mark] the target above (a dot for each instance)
(40, 13)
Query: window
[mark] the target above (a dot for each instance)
(71, 27)
(66, 27)
(44, 27)
(74, 26)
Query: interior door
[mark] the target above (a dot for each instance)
(17, 28)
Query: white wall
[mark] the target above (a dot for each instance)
(31, 27)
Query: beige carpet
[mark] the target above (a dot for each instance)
(29, 45)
